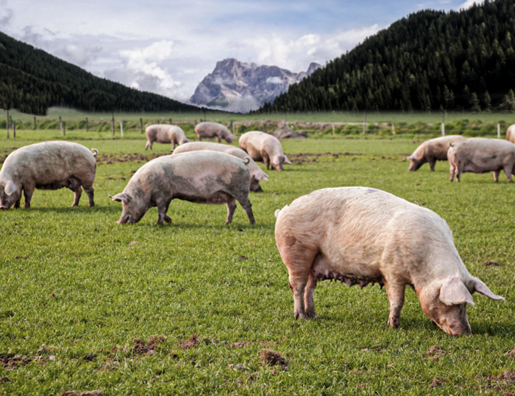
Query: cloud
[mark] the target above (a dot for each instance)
(470, 3)
(144, 69)
(274, 80)
(6, 14)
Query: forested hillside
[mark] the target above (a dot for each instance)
(32, 80)
(429, 60)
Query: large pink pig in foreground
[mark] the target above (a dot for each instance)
(47, 166)
(431, 151)
(256, 174)
(481, 155)
(264, 147)
(208, 177)
(214, 130)
(165, 134)
(361, 235)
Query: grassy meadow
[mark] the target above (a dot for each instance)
(82, 297)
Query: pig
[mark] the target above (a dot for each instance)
(481, 155)
(47, 166)
(361, 235)
(510, 134)
(213, 129)
(209, 177)
(264, 147)
(256, 174)
(431, 151)
(165, 134)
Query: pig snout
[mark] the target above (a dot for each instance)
(457, 328)
(126, 219)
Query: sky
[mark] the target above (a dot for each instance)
(169, 46)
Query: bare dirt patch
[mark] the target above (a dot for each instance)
(491, 262)
(151, 347)
(191, 342)
(435, 352)
(273, 358)
(311, 157)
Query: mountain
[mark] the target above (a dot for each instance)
(32, 80)
(242, 86)
(430, 60)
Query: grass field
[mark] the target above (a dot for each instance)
(73, 280)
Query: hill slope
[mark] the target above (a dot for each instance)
(429, 60)
(32, 80)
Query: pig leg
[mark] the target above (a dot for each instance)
(245, 203)
(91, 194)
(507, 170)
(395, 294)
(218, 139)
(452, 171)
(162, 208)
(496, 175)
(173, 145)
(432, 163)
(309, 303)
(231, 207)
(28, 191)
(76, 196)
(266, 160)
(17, 204)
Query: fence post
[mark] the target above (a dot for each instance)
(443, 123)
(204, 110)
(141, 124)
(498, 131)
(87, 125)
(7, 124)
(393, 129)
(64, 128)
(170, 121)
(14, 129)
(121, 127)
(60, 125)
(364, 123)
(333, 129)
(232, 127)
(35, 123)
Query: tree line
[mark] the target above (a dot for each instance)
(430, 60)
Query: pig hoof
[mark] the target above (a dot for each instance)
(167, 219)
(394, 323)
(300, 316)
(311, 315)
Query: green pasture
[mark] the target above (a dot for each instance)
(84, 288)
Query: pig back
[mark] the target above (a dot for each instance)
(50, 162)
(485, 154)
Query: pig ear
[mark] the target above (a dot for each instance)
(10, 188)
(408, 158)
(454, 292)
(122, 197)
(262, 176)
(286, 160)
(480, 288)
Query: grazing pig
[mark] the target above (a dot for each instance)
(47, 166)
(510, 134)
(213, 129)
(165, 134)
(264, 147)
(431, 151)
(361, 235)
(481, 155)
(209, 177)
(256, 174)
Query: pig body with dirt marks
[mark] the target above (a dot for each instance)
(208, 177)
(482, 155)
(510, 134)
(431, 151)
(165, 134)
(47, 166)
(361, 235)
(206, 130)
(256, 174)
(264, 147)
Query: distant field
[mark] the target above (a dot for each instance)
(86, 288)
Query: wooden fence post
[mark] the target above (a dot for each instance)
(87, 125)
(365, 123)
(35, 127)
(14, 129)
(112, 124)
(121, 127)
(141, 124)
(64, 128)
(232, 127)
(60, 125)
(443, 123)
(333, 129)
(7, 124)
(498, 131)
(170, 121)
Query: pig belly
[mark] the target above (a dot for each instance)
(71, 183)
(473, 168)
(355, 268)
(163, 139)
(218, 198)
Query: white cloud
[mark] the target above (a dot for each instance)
(6, 14)
(470, 3)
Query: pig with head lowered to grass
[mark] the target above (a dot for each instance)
(214, 130)
(361, 235)
(165, 134)
(264, 147)
(431, 151)
(47, 166)
(482, 155)
(256, 174)
(208, 177)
